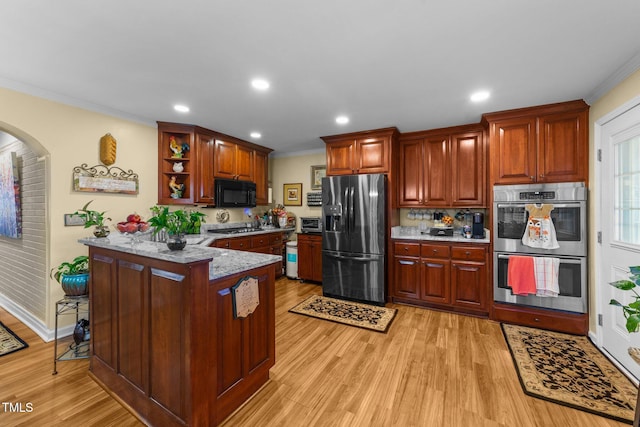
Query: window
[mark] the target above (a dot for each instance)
(627, 191)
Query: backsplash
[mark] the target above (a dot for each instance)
(413, 217)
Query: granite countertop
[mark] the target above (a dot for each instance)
(413, 233)
(222, 262)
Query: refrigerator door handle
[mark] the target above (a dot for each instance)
(345, 213)
(352, 216)
(352, 258)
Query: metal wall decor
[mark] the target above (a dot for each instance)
(100, 178)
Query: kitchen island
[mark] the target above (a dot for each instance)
(168, 339)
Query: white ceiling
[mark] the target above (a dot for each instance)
(405, 63)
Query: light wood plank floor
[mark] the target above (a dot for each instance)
(430, 369)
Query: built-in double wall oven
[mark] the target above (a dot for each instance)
(569, 218)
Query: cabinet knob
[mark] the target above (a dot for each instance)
(536, 319)
(435, 251)
(541, 175)
(532, 177)
(406, 248)
(467, 253)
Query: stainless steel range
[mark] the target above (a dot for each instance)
(569, 217)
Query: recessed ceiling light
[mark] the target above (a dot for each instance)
(256, 135)
(181, 108)
(260, 84)
(480, 96)
(342, 120)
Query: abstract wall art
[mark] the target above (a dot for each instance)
(10, 215)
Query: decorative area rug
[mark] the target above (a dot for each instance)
(347, 312)
(9, 341)
(571, 371)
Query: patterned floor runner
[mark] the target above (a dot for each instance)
(571, 371)
(9, 341)
(347, 312)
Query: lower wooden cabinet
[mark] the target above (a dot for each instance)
(561, 321)
(310, 257)
(443, 275)
(267, 243)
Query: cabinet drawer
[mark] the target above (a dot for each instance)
(241, 244)
(275, 238)
(221, 243)
(260, 241)
(406, 249)
(434, 251)
(545, 319)
(468, 253)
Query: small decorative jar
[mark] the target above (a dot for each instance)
(101, 231)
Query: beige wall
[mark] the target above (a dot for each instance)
(615, 98)
(67, 137)
(296, 169)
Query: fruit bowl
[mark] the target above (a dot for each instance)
(134, 226)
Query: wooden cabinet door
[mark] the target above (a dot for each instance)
(340, 157)
(224, 159)
(205, 151)
(411, 174)
(437, 175)
(305, 258)
(244, 163)
(469, 285)
(406, 282)
(260, 176)
(435, 276)
(468, 178)
(563, 147)
(513, 151)
(372, 155)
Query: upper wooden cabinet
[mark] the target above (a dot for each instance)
(548, 143)
(210, 155)
(232, 160)
(360, 152)
(442, 168)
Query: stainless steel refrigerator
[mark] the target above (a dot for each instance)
(353, 237)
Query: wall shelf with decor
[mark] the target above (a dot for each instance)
(175, 185)
(314, 198)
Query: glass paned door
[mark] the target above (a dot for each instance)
(627, 191)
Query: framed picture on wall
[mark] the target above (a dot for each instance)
(317, 173)
(292, 194)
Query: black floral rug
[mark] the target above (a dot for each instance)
(347, 312)
(571, 371)
(9, 341)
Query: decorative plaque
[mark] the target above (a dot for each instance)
(246, 296)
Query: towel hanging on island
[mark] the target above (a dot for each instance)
(521, 276)
(540, 232)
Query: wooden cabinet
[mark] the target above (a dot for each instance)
(204, 149)
(171, 176)
(548, 143)
(360, 152)
(260, 176)
(443, 275)
(209, 155)
(266, 243)
(310, 257)
(442, 168)
(561, 321)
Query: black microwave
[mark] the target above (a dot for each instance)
(231, 193)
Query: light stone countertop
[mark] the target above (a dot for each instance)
(223, 262)
(413, 233)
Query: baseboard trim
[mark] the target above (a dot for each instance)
(32, 322)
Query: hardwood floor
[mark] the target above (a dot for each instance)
(430, 369)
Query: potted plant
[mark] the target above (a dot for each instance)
(94, 218)
(73, 276)
(631, 311)
(176, 224)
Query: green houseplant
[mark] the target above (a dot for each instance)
(631, 311)
(73, 276)
(94, 218)
(176, 224)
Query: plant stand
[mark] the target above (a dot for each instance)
(71, 305)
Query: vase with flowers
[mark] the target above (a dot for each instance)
(176, 224)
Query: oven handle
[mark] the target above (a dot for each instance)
(564, 260)
(555, 205)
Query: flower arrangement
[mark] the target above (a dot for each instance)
(176, 222)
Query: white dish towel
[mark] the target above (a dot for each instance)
(546, 271)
